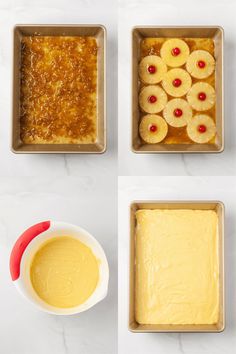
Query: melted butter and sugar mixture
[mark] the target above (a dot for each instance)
(152, 46)
(177, 267)
(64, 272)
(58, 90)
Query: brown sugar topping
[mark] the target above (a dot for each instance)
(58, 89)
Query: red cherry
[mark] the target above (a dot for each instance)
(178, 112)
(152, 69)
(202, 96)
(152, 99)
(177, 82)
(175, 51)
(153, 128)
(201, 64)
(202, 128)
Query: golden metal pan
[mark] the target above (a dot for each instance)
(99, 32)
(214, 32)
(134, 326)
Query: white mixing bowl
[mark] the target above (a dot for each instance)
(27, 245)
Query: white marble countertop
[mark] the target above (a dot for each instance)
(172, 12)
(177, 188)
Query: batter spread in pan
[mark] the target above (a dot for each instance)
(58, 90)
(177, 267)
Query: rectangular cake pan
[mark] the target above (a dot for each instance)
(97, 31)
(217, 34)
(134, 326)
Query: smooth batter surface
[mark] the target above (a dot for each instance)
(64, 272)
(177, 269)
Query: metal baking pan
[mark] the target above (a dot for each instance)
(214, 32)
(97, 31)
(133, 325)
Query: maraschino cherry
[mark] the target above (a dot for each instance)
(202, 128)
(178, 112)
(175, 51)
(201, 64)
(153, 128)
(202, 96)
(152, 99)
(152, 69)
(176, 82)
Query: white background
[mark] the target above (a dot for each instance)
(176, 12)
(80, 189)
(177, 188)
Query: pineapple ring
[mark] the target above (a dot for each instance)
(181, 55)
(159, 66)
(198, 89)
(200, 64)
(156, 135)
(172, 75)
(184, 110)
(201, 129)
(159, 99)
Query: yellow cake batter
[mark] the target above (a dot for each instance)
(177, 269)
(64, 272)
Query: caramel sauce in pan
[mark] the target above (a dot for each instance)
(152, 46)
(58, 90)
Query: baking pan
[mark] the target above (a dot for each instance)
(199, 205)
(217, 34)
(97, 31)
